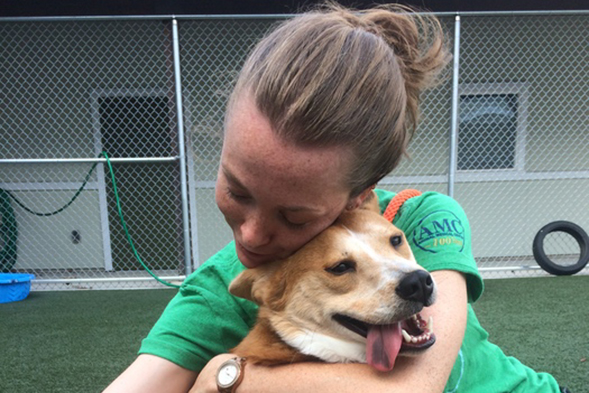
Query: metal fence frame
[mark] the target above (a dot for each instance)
(181, 158)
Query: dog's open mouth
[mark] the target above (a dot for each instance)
(384, 342)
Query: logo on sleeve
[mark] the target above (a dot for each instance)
(439, 230)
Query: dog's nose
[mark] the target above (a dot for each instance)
(417, 286)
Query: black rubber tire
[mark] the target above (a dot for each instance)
(572, 229)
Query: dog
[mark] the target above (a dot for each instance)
(352, 294)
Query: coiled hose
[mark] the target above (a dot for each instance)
(8, 233)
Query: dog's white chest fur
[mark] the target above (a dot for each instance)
(326, 348)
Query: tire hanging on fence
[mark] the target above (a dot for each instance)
(572, 229)
(8, 233)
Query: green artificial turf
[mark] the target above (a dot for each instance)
(544, 322)
(74, 341)
(79, 341)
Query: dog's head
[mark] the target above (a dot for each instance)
(353, 293)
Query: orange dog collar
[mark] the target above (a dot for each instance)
(397, 201)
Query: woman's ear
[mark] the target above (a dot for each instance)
(371, 202)
(366, 200)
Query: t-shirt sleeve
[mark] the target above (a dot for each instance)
(439, 233)
(202, 320)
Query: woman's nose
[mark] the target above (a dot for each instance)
(255, 232)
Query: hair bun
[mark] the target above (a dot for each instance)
(419, 44)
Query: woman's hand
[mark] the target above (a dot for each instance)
(206, 382)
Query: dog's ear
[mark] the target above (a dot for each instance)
(241, 286)
(371, 203)
(262, 285)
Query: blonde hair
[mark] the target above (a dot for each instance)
(339, 77)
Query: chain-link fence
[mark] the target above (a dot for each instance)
(507, 135)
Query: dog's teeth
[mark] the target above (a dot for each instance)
(406, 336)
(430, 324)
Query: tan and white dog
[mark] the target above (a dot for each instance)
(352, 294)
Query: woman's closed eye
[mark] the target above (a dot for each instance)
(292, 223)
(238, 196)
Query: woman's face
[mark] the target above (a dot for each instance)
(275, 196)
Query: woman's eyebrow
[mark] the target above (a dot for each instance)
(232, 178)
(296, 209)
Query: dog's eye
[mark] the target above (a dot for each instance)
(396, 241)
(342, 267)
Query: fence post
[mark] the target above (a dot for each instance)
(455, 102)
(181, 148)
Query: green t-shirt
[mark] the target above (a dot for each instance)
(204, 320)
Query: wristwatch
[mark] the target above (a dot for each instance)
(230, 374)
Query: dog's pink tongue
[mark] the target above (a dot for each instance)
(382, 345)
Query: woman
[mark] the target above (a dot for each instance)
(322, 110)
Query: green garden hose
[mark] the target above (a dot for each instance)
(76, 195)
(8, 233)
(114, 185)
(10, 237)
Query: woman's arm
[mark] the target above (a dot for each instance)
(428, 372)
(150, 373)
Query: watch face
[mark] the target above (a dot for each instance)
(228, 374)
